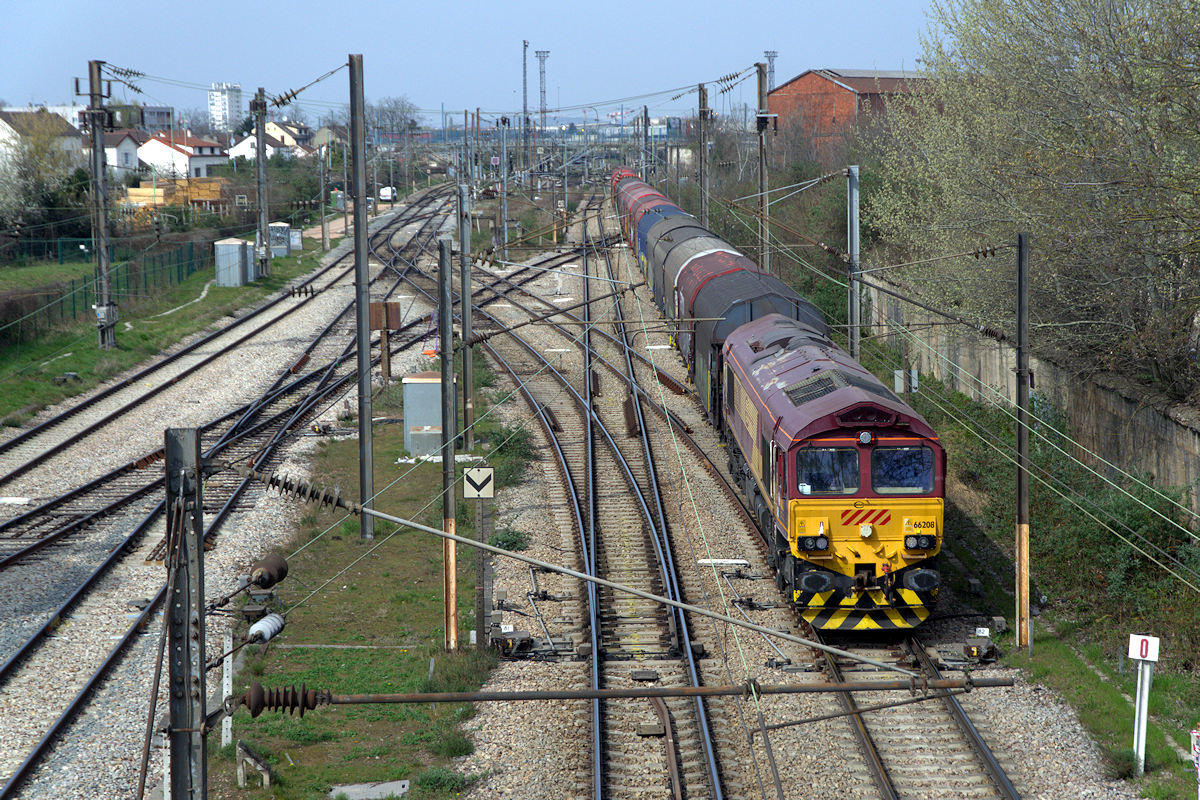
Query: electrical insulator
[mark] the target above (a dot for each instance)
(268, 571)
(266, 628)
(287, 698)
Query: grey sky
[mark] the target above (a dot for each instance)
(464, 54)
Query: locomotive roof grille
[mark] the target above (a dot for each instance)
(818, 385)
(831, 380)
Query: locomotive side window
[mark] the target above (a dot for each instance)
(827, 470)
(902, 470)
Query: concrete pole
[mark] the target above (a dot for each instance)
(468, 369)
(1022, 545)
(362, 295)
(524, 108)
(504, 185)
(345, 190)
(260, 177)
(449, 407)
(853, 310)
(106, 309)
(323, 204)
(646, 144)
(764, 207)
(702, 156)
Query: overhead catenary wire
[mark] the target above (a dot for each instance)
(988, 251)
(1042, 474)
(1039, 431)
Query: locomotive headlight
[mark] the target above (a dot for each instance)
(926, 542)
(810, 543)
(822, 543)
(865, 437)
(910, 542)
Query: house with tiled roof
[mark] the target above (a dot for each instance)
(120, 150)
(290, 133)
(246, 147)
(827, 102)
(180, 154)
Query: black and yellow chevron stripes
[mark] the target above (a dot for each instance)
(863, 610)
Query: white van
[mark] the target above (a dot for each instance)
(387, 193)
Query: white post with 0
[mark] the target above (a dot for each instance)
(1144, 650)
(1196, 757)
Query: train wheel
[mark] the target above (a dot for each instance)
(784, 575)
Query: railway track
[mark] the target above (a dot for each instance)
(609, 480)
(975, 772)
(921, 749)
(71, 512)
(124, 585)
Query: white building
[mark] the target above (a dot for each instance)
(18, 125)
(225, 105)
(72, 113)
(246, 147)
(181, 156)
(120, 151)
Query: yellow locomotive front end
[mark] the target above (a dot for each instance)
(864, 564)
(864, 528)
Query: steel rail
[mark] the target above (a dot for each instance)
(658, 544)
(665, 552)
(155, 391)
(874, 760)
(588, 544)
(21, 774)
(246, 412)
(996, 773)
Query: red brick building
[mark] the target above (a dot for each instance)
(827, 102)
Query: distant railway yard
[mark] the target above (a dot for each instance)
(610, 466)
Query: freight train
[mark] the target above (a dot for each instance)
(845, 480)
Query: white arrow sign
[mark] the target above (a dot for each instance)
(478, 483)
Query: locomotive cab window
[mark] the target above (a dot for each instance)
(902, 470)
(827, 470)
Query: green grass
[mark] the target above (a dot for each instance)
(1105, 713)
(43, 274)
(27, 370)
(391, 600)
(509, 539)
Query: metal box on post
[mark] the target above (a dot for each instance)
(233, 258)
(296, 243)
(280, 236)
(422, 413)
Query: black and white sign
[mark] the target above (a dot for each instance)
(478, 483)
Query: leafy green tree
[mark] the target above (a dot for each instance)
(1074, 120)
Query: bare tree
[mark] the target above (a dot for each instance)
(195, 120)
(36, 169)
